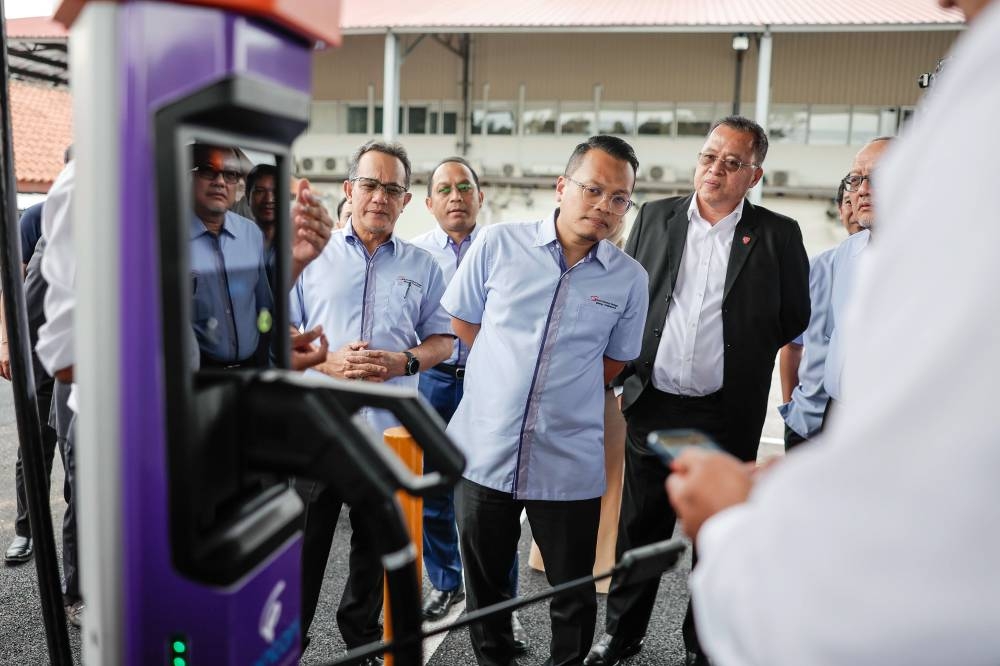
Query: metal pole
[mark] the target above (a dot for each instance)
(390, 87)
(466, 97)
(739, 82)
(23, 384)
(763, 97)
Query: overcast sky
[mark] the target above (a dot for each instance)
(22, 8)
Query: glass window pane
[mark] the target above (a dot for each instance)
(417, 119)
(449, 122)
(539, 119)
(864, 125)
(616, 120)
(787, 124)
(888, 122)
(434, 122)
(378, 120)
(576, 119)
(694, 119)
(828, 125)
(655, 121)
(357, 119)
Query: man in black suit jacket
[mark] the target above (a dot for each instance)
(728, 287)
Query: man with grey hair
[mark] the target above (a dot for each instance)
(377, 298)
(728, 286)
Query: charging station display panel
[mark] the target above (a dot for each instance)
(225, 232)
(236, 231)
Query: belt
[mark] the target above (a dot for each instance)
(691, 399)
(456, 371)
(209, 362)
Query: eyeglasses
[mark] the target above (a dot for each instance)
(210, 173)
(263, 191)
(617, 203)
(730, 164)
(852, 182)
(371, 185)
(463, 188)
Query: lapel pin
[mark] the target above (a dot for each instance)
(746, 240)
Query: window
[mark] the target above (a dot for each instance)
(864, 125)
(357, 119)
(576, 118)
(828, 125)
(656, 120)
(788, 124)
(378, 120)
(539, 119)
(616, 119)
(694, 119)
(448, 122)
(416, 117)
(497, 121)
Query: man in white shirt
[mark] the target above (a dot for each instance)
(879, 546)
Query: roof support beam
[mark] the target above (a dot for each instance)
(763, 96)
(38, 76)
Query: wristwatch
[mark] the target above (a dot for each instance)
(412, 364)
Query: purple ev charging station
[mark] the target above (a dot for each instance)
(189, 529)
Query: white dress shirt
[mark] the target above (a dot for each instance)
(880, 544)
(689, 358)
(55, 336)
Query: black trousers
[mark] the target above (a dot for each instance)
(361, 602)
(646, 515)
(489, 527)
(50, 440)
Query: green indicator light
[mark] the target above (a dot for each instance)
(179, 647)
(265, 321)
(180, 661)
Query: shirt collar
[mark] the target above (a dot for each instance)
(546, 235)
(864, 238)
(728, 222)
(442, 239)
(352, 237)
(228, 227)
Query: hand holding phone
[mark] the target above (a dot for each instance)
(668, 444)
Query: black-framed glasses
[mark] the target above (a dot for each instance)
(730, 164)
(259, 191)
(371, 185)
(210, 173)
(852, 181)
(463, 188)
(617, 203)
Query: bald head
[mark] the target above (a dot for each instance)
(861, 192)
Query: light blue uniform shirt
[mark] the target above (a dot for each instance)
(229, 287)
(390, 298)
(845, 271)
(804, 412)
(448, 257)
(531, 422)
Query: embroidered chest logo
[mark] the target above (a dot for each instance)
(597, 300)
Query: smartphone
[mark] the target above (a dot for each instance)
(668, 444)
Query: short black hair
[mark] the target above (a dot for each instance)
(340, 206)
(257, 172)
(458, 160)
(612, 145)
(841, 190)
(744, 124)
(392, 149)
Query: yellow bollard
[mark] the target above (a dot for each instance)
(400, 441)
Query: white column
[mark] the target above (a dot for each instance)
(763, 96)
(390, 87)
(598, 91)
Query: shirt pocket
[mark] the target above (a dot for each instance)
(403, 303)
(593, 321)
(201, 300)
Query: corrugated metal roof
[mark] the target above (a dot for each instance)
(452, 15)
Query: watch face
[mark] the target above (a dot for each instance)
(412, 364)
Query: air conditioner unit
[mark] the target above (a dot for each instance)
(779, 178)
(510, 171)
(661, 174)
(317, 166)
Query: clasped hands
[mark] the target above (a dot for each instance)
(356, 361)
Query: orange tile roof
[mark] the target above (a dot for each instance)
(42, 117)
(36, 27)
